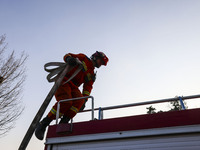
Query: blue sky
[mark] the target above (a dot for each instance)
(153, 47)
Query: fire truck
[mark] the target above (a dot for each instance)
(172, 130)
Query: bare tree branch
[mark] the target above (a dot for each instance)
(12, 77)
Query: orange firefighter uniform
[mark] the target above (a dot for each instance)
(70, 90)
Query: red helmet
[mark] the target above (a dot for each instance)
(100, 55)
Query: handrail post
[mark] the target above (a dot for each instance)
(57, 112)
(99, 113)
(182, 104)
(92, 107)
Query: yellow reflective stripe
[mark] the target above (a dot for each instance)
(84, 66)
(53, 111)
(86, 93)
(74, 109)
(89, 77)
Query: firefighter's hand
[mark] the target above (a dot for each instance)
(71, 61)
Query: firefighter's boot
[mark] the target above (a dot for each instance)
(41, 127)
(64, 119)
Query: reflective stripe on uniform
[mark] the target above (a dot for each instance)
(89, 76)
(86, 93)
(74, 109)
(53, 111)
(84, 66)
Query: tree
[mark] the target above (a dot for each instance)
(175, 105)
(12, 77)
(151, 110)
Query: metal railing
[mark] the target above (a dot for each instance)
(101, 109)
(74, 99)
(180, 98)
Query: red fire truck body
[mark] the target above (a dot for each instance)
(175, 130)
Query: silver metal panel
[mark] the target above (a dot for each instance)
(125, 134)
(177, 142)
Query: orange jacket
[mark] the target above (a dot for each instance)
(86, 76)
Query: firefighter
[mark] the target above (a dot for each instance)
(71, 89)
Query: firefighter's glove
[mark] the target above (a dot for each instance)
(71, 61)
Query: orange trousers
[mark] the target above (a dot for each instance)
(70, 108)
